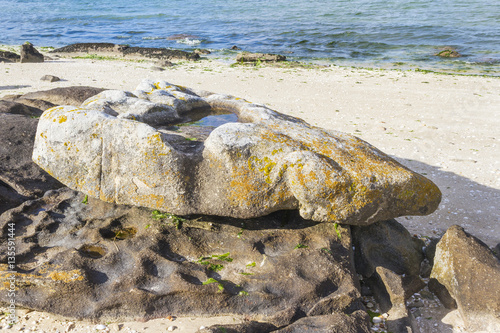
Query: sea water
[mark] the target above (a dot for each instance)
(374, 33)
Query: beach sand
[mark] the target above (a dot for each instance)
(446, 127)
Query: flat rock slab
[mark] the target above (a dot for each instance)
(117, 50)
(156, 147)
(111, 262)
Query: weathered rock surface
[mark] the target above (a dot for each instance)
(390, 258)
(471, 273)
(254, 57)
(74, 95)
(110, 262)
(34, 103)
(357, 322)
(90, 48)
(20, 178)
(448, 52)
(247, 327)
(266, 162)
(7, 56)
(391, 291)
(19, 108)
(387, 244)
(125, 51)
(30, 54)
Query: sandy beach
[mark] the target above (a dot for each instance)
(445, 127)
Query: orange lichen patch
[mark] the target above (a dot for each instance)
(66, 276)
(244, 187)
(46, 273)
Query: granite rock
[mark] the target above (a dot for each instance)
(30, 54)
(91, 259)
(265, 162)
(470, 272)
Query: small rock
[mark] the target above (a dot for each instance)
(448, 52)
(115, 327)
(426, 294)
(234, 47)
(202, 51)
(416, 304)
(255, 57)
(164, 63)
(156, 68)
(369, 305)
(171, 328)
(100, 327)
(202, 328)
(50, 78)
(377, 320)
(71, 325)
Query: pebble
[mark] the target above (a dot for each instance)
(369, 305)
(100, 327)
(71, 325)
(171, 328)
(202, 327)
(377, 320)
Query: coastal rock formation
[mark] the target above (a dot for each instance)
(254, 57)
(448, 52)
(268, 161)
(124, 51)
(30, 54)
(471, 273)
(91, 259)
(7, 56)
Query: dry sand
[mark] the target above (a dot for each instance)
(446, 127)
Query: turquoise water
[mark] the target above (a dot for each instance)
(375, 33)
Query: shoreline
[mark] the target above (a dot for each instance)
(228, 56)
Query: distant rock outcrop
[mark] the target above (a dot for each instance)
(30, 54)
(260, 162)
(255, 57)
(109, 49)
(7, 56)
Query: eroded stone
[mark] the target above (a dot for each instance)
(111, 262)
(267, 161)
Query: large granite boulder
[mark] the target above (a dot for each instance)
(98, 260)
(160, 147)
(471, 273)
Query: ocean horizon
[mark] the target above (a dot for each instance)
(388, 34)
